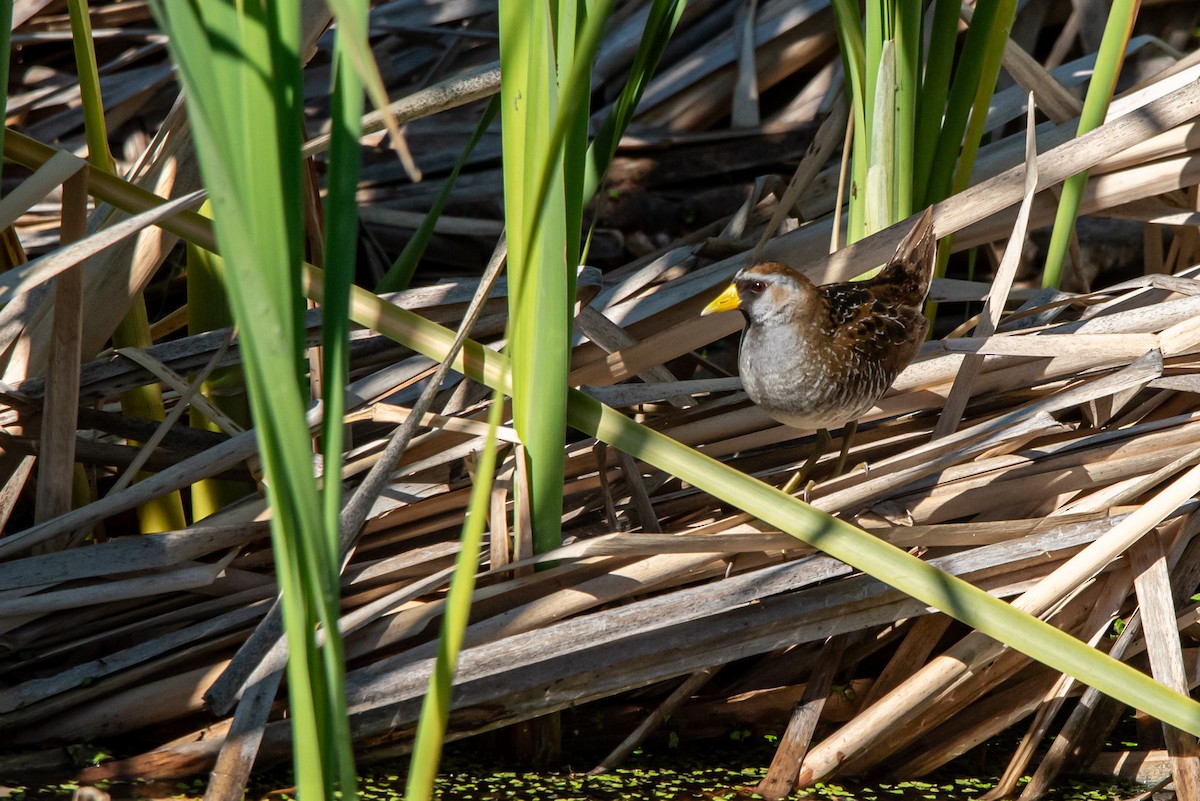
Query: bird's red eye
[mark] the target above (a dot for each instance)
(758, 287)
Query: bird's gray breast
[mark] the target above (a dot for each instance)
(790, 381)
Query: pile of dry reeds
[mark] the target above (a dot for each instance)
(996, 457)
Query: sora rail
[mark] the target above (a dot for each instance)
(821, 356)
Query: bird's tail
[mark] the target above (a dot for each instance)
(910, 271)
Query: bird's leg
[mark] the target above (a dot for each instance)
(820, 443)
(848, 432)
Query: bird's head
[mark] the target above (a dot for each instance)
(767, 293)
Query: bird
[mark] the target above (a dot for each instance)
(819, 357)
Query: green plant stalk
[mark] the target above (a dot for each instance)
(341, 245)
(990, 64)
(315, 579)
(552, 213)
(907, 29)
(166, 512)
(661, 22)
(987, 62)
(1109, 60)
(881, 188)
(574, 90)
(539, 306)
(935, 87)
(569, 123)
(982, 36)
(877, 30)
(853, 49)
(435, 706)
(361, 57)
(918, 579)
(892, 52)
(401, 272)
(341, 248)
(572, 23)
(556, 90)
(94, 128)
(208, 310)
(892, 49)
(934, 90)
(239, 65)
(993, 58)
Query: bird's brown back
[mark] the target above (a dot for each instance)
(881, 318)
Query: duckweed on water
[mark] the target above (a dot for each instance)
(670, 777)
(713, 784)
(722, 775)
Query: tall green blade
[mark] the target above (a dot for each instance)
(208, 310)
(881, 170)
(988, 30)
(661, 22)
(939, 63)
(907, 88)
(402, 269)
(1100, 91)
(239, 62)
(166, 512)
(854, 59)
(435, 707)
(341, 247)
(539, 280)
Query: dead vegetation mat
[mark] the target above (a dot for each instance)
(1075, 417)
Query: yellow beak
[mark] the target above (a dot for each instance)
(726, 301)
